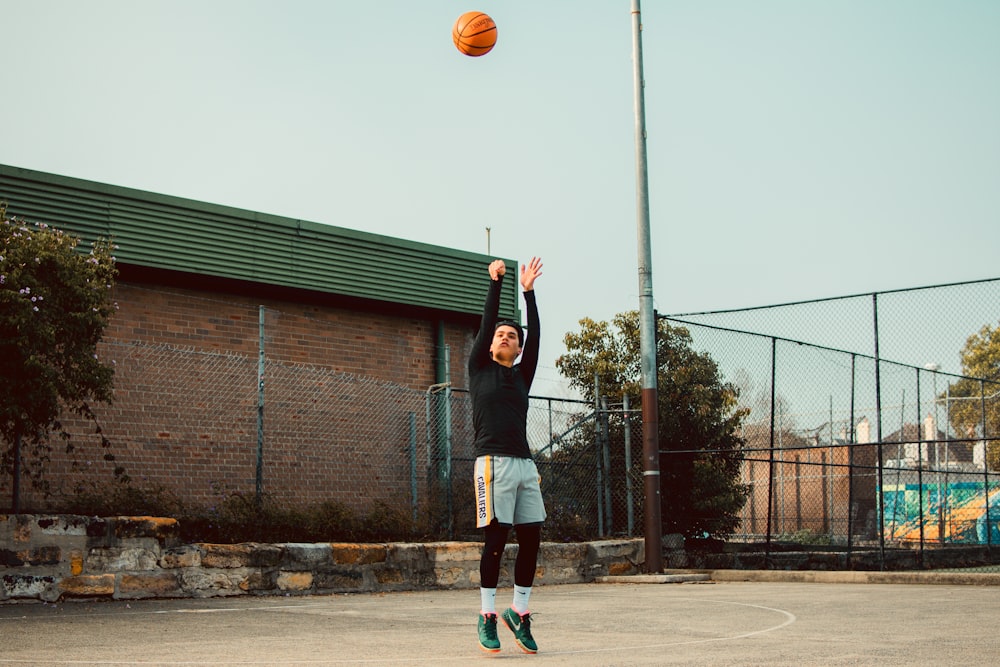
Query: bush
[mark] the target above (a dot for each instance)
(238, 517)
(120, 498)
(565, 525)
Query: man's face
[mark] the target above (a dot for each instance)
(505, 346)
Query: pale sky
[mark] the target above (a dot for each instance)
(797, 149)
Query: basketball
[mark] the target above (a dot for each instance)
(474, 34)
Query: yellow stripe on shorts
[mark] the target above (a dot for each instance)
(484, 491)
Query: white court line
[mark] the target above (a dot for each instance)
(789, 619)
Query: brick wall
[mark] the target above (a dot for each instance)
(373, 343)
(339, 385)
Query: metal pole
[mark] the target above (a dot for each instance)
(600, 474)
(647, 320)
(852, 442)
(937, 456)
(628, 465)
(551, 431)
(434, 471)
(986, 465)
(878, 428)
(920, 470)
(782, 515)
(606, 453)
(448, 444)
(260, 406)
(598, 434)
(413, 465)
(946, 499)
(770, 465)
(831, 471)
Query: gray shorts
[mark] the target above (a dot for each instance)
(507, 489)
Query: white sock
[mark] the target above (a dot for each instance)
(489, 600)
(521, 595)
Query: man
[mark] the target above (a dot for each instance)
(507, 483)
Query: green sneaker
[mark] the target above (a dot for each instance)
(488, 640)
(521, 627)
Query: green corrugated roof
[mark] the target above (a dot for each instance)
(163, 232)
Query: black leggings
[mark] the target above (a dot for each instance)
(529, 538)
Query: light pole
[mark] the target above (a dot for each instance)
(647, 316)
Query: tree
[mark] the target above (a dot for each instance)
(980, 360)
(699, 419)
(55, 303)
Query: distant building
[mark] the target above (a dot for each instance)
(831, 488)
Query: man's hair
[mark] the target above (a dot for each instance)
(514, 325)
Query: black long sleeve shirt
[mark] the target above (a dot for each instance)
(500, 394)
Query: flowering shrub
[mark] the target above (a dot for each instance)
(55, 302)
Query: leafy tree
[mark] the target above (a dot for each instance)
(55, 303)
(980, 359)
(699, 418)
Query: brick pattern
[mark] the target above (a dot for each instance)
(200, 438)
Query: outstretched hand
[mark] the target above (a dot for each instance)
(530, 272)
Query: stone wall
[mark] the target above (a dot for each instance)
(62, 557)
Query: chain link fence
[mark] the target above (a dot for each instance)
(212, 423)
(863, 451)
(846, 450)
(208, 424)
(215, 423)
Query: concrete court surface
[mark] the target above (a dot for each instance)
(737, 623)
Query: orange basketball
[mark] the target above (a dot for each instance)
(474, 34)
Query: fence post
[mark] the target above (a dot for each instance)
(920, 471)
(770, 473)
(878, 429)
(258, 497)
(798, 491)
(945, 496)
(551, 431)
(436, 470)
(606, 451)
(827, 519)
(986, 466)
(598, 457)
(448, 444)
(628, 464)
(831, 474)
(413, 465)
(851, 444)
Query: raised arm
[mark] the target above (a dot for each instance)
(529, 355)
(480, 353)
